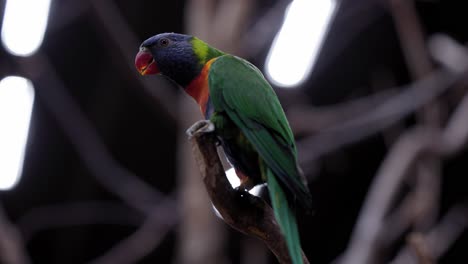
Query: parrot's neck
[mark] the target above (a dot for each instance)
(198, 88)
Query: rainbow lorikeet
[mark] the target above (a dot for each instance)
(247, 115)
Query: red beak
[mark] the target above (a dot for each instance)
(145, 63)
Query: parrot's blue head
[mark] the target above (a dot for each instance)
(170, 54)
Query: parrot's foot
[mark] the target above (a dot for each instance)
(240, 189)
(202, 126)
(246, 184)
(241, 192)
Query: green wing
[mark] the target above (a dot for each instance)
(239, 88)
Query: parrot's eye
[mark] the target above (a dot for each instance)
(164, 42)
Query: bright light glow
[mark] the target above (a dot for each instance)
(16, 101)
(297, 43)
(232, 177)
(24, 24)
(256, 190)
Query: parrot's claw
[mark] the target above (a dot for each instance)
(241, 191)
(202, 126)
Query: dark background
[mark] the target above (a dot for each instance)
(65, 215)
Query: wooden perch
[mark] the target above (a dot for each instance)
(241, 210)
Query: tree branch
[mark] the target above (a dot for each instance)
(55, 216)
(145, 239)
(83, 136)
(242, 211)
(414, 48)
(12, 250)
(310, 120)
(413, 97)
(401, 158)
(438, 240)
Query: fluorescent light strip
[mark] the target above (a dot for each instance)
(297, 43)
(16, 101)
(24, 24)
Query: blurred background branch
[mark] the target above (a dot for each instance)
(12, 249)
(85, 139)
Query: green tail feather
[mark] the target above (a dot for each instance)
(285, 217)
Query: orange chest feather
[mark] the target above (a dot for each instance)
(199, 88)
